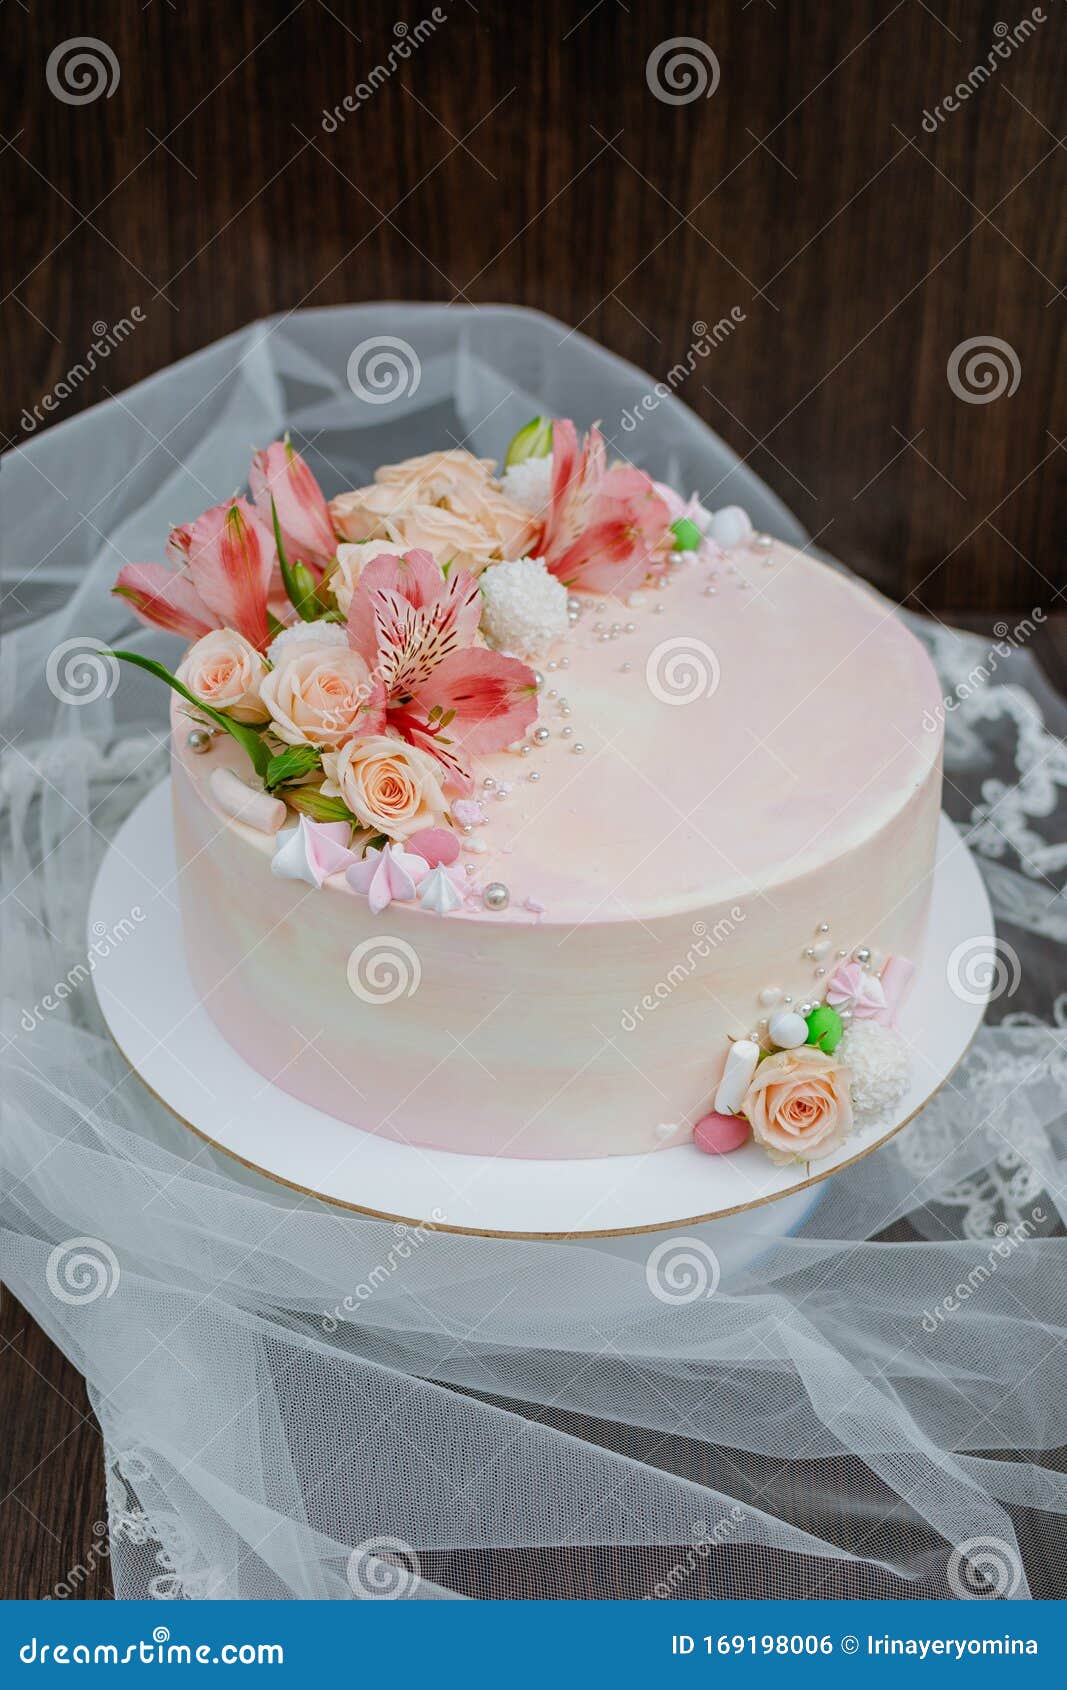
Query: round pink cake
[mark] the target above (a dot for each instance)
(734, 782)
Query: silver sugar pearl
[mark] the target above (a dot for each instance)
(824, 927)
(524, 750)
(535, 775)
(542, 735)
(496, 896)
(489, 783)
(199, 740)
(564, 709)
(846, 1015)
(809, 952)
(804, 1010)
(657, 610)
(501, 795)
(552, 693)
(553, 665)
(574, 606)
(577, 748)
(819, 972)
(539, 679)
(564, 662)
(764, 542)
(630, 627)
(626, 668)
(862, 955)
(565, 733)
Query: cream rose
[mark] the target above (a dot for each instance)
(436, 476)
(799, 1104)
(352, 560)
(391, 786)
(317, 694)
(225, 670)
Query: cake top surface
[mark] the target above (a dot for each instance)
(754, 715)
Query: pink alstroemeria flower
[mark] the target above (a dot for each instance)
(414, 628)
(280, 473)
(224, 564)
(604, 525)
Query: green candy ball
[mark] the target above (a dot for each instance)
(825, 1028)
(687, 535)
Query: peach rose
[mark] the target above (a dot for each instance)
(317, 694)
(445, 503)
(225, 670)
(391, 786)
(436, 476)
(799, 1104)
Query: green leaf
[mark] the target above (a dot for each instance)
(533, 441)
(296, 577)
(311, 802)
(291, 764)
(274, 626)
(246, 736)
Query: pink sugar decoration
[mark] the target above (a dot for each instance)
(717, 1134)
(896, 977)
(435, 844)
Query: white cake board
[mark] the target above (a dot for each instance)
(158, 1022)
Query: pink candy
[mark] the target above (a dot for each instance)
(435, 845)
(718, 1134)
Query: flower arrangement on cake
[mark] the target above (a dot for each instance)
(367, 653)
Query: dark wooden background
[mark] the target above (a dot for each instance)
(519, 155)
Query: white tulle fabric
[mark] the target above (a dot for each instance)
(299, 1402)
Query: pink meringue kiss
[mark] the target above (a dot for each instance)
(718, 1134)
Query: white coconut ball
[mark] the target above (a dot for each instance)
(312, 633)
(524, 607)
(529, 484)
(880, 1064)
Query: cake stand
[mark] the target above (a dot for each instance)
(162, 1028)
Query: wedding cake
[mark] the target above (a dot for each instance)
(545, 813)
